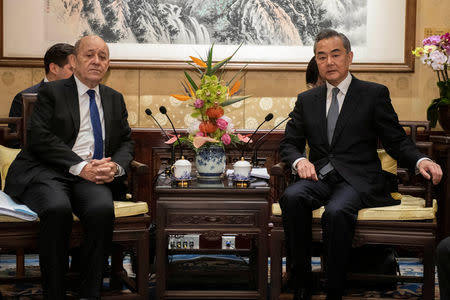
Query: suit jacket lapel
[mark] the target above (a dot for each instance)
(71, 97)
(348, 107)
(321, 96)
(107, 113)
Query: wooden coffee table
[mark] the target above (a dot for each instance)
(212, 210)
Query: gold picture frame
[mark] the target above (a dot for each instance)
(21, 46)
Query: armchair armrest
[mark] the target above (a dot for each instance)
(415, 184)
(278, 169)
(6, 135)
(282, 177)
(137, 170)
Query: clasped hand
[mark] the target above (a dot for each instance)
(99, 171)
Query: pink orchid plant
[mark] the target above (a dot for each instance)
(435, 53)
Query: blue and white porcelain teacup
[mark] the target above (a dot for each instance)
(181, 169)
(242, 169)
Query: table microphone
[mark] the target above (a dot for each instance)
(256, 146)
(266, 119)
(163, 110)
(172, 148)
(149, 113)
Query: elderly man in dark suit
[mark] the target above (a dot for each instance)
(342, 122)
(79, 147)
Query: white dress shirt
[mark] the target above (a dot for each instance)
(84, 144)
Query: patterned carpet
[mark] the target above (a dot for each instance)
(238, 265)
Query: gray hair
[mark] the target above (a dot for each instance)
(329, 33)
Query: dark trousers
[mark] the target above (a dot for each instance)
(342, 203)
(54, 200)
(443, 267)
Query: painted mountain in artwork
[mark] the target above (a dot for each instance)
(254, 22)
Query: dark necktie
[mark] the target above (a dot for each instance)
(333, 114)
(96, 126)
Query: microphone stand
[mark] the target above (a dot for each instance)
(167, 171)
(256, 147)
(163, 110)
(149, 113)
(266, 119)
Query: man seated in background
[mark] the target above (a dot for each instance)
(312, 75)
(57, 66)
(78, 150)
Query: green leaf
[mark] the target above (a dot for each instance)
(209, 60)
(234, 100)
(236, 50)
(219, 65)
(432, 112)
(192, 82)
(212, 70)
(200, 72)
(443, 102)
(236, 74)
(196, 114)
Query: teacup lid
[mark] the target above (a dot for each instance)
(242, 163)
(182, 162)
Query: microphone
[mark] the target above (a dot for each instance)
(266, 119)
(172, 150)
(256, 146)
(149, 113)
(163, 110)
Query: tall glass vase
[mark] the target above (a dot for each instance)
(210, 162)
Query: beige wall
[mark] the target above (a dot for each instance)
(271, 91)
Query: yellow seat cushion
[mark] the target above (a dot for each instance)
(411, 209)
(121, 209)
(388, 164)
(7, 155)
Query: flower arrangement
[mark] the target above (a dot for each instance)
(209, 96)
(435, 52)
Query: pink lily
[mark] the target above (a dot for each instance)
(201, 140)
(172, 140)
(244, 138)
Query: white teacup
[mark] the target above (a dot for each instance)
(242, 169)
(182, 169)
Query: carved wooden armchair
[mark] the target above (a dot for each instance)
(413, 227)
(130, 227)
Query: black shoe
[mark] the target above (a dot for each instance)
(303, 294)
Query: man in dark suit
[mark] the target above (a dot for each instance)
(57, 66)
(79, 148)
(342, 122)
